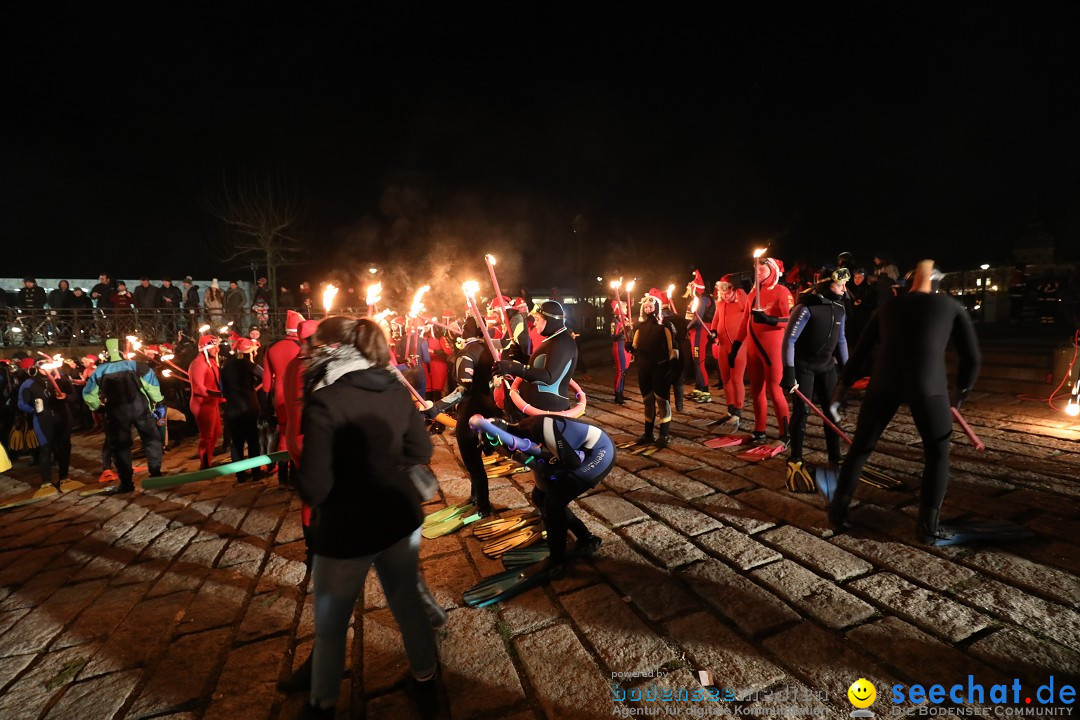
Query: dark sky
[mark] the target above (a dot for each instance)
(675, 140)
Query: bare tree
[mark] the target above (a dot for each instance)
(262, 212)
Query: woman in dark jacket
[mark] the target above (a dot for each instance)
(361, 432)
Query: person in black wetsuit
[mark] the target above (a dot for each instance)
(240, 377)
(655, 353)
(913, 331)
(551, 366)
(814, 344)
(575, 456)
(681, 367)
(472, 396)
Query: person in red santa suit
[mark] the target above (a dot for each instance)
(768, 308)
(440, 351)
(206, 397)
(277, 359)
(728, 320)
(620, 327)
(699, 314)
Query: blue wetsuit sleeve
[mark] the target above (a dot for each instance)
(800, 316)
(841, 344)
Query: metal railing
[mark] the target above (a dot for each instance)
(91, 326)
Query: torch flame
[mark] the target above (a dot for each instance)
(693, 305)
(490, 258)
(130, 355)
(328, 297)
(374, 293)
(224, 328)
(616, 284)
(167, 356)
(166, 372)
(204, 328)
(417, 302)
(630, 286)
(759, 252)
(383, 315)
(670, 289)
(471, 287)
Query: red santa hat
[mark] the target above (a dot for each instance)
(698, 283)
(206, 342)
(166, 347)
(498, 302)
(91, 358)
(244, 345)
(292, 321)
(26, 363)
(399, 320)
(776, 271)
(152, 350)
(307, 329)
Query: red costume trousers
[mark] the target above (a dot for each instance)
(766, 370)
(208, 418)
(732, 378)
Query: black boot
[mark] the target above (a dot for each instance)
(299, 681)
(120, 489)
(648, 437)
(662, 441)
(620, 399)
(283, 473)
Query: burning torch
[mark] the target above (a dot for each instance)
(55, 361)
(471, 288)
(373, 296)
(489, 260)
(415, 309)
(757, 283)
(328, 298)
(670, 291)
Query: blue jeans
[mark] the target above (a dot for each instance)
(338, 583)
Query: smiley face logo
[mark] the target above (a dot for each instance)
(862, 693)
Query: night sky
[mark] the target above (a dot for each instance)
(423, 141)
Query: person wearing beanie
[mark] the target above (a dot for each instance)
(214, 300)
(43, 399)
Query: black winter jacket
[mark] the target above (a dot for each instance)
(359, 434)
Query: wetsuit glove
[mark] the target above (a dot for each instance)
(762, 319)
(788, 380)
(508, 367)
(734, 353)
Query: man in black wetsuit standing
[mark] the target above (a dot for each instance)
(814, 345)
(913, 332)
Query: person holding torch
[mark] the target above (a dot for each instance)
(770, 305)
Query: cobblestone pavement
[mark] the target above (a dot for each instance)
(193, 602)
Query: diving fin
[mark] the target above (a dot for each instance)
(727, 441)
(646, 451)
(449, 525)
(879, 479)
(798, 478)
(506, 585)
(525, 537)
(23, 502)
(826, 479)
(958, 533)
(46, 490)
(502, 526)
(446, 513)
(507, 470)
(522, 556)
(762, 452)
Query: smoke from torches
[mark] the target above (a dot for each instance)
(374, 294)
